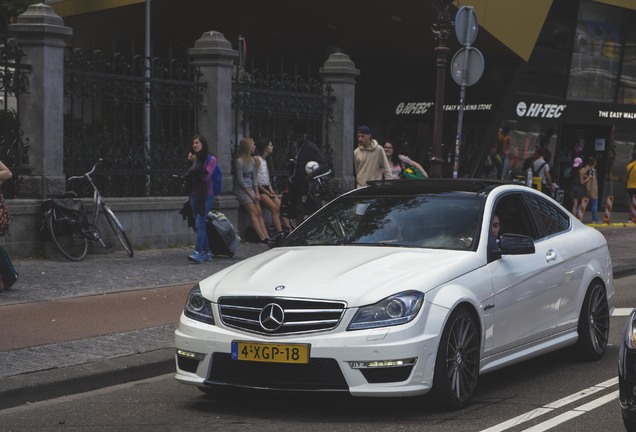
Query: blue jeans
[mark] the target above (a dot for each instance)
(594, 205)
(201, 245)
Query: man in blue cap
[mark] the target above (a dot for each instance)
(369, 159)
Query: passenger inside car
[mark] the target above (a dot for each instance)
(512, 216)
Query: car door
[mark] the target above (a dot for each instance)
(526, 287)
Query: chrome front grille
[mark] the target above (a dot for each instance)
(279, 315)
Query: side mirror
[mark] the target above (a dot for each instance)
(514, 244)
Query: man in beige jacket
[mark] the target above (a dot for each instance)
(369, 159)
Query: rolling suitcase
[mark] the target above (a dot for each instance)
(7, 272)
(221, 235)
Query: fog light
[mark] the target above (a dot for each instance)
(383, 363)
(634, 391)
(190, 355)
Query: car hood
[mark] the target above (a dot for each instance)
(358, 275)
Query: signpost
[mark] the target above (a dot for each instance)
(467, 66)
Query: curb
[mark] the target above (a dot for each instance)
(38, 386)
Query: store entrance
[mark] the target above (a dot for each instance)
(583, 141)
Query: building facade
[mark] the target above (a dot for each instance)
(559, 74)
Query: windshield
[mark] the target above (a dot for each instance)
(428, 221)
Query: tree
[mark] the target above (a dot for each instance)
(9, 11)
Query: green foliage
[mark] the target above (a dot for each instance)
(9, 11)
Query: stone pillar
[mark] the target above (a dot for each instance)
(214, 57)
(340, 74)
(42, 36)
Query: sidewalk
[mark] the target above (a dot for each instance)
(36, 371)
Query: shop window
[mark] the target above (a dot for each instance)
(596, 54)
(547, 69)
(627, 84)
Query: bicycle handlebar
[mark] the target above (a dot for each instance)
(318, 177)
(88, 173)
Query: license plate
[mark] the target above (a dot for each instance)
(270, 353)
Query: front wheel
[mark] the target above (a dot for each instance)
(457, 361)
(67, 237)
(118, 230)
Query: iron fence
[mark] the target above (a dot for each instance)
(268, 105)
(14, 145)
(137, 114)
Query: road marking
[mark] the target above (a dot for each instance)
(548, 408)
(622, 311)
(553, 422)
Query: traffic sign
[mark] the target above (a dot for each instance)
(466, 25)
(467, 66)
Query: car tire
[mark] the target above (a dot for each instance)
(630, 425)
(594, 323)
(457, 361)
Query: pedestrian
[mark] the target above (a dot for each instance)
(541, 168)
(268, 197)
(5, 174)
(370, 161)
(577, 185)
(246, 186)
(591, 183)
(302, 150)
(631, 183)
(201, 195)
(505, 153)
(397, 161)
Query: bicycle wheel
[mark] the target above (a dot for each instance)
(69, 241)
(118, 230)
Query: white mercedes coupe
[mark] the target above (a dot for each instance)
(402, 288)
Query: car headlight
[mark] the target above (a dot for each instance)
(198, 307)
(630, 332)
(397, 309)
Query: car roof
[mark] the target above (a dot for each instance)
(431, 186)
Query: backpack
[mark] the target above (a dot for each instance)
(217, 180)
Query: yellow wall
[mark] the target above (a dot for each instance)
(65, 8)
(515, 23)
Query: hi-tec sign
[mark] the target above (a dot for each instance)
(540, 110)
(407, 108)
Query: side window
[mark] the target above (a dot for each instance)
(513, 216)
(549, 218)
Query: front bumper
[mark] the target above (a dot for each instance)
(353, 361)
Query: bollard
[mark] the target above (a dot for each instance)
(582, 207)
(608, 209)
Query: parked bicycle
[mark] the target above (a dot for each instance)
(320, 193)
(71, 230)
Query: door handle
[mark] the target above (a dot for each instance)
(551, 255)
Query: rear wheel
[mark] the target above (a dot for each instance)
(594, 323)
(69, 241)
(457, 361)
(118, 230)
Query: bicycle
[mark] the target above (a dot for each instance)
(71, 230)
(319, 194)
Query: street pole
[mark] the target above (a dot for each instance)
(440, 29)
(147, 112)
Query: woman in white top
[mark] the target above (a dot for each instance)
(269, 199)
(397, 160)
